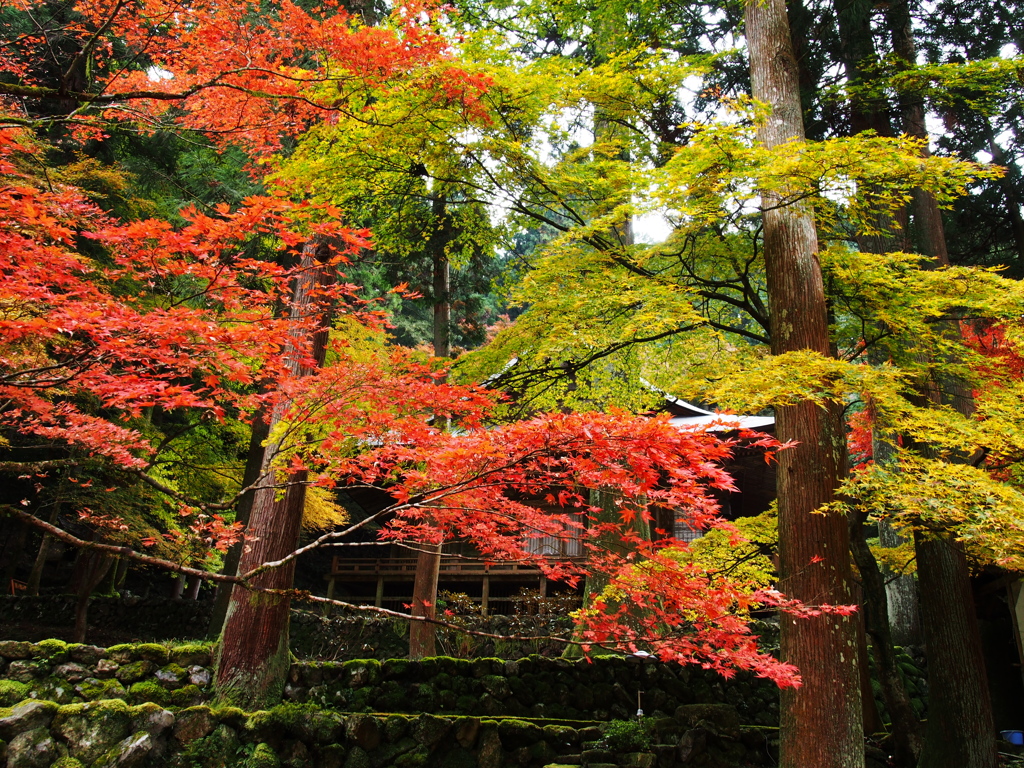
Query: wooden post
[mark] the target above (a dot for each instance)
(485, 595)
(378, 599)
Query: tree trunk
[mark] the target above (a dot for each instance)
(906, 727)
(422, 635)
(961, 722)
(14, 548)
(36, 576)
(1006, 181)
(92, 567)
(927, 219)
(253, 657)
(822, 720)
(960, 731)
(254, 459)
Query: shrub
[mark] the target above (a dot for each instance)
(629, 735)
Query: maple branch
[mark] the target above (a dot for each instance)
(36, 466)
(114, 549)
(87, 47)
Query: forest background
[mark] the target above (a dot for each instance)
(212, 214)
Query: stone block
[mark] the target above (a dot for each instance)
(26, 716)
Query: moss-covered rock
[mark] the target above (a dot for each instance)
(26, 716)
(121, 654)
(54, 651)
(153, 652)
(54, 689)
(194, 723)
(94, 689)
(429, 730)
(86, 654)
(417, 758)
(11, 692)
(519, 733)
(360, 673)
(151, 718)
(364, 731)
(187, 696)
(135, 671)
(198, 654)
(68, 762)
(27, 671)
(148, 690)
(72, 671)
(261, 757)
(128, 753)
(171, 676)
(35, 748)
(90, 730)
(396, 669)
(15, 649)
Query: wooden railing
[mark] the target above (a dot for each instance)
(450, 566)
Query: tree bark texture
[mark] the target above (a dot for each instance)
(90, 569)
(253, 656)
(927, 219)
(960, 731)
(822, 720)
(422, 634)
(253, 468)
(906, 727)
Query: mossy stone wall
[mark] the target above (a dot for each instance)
(600, 689)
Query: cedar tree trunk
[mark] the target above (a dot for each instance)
(959, 732)
(422, 634)
(253, 468)
(253, 656)
(822, 720)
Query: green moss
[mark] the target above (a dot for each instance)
(260, 757)
(54, 689)
(11, 692)
(192, 653)
(519, 733)
(148, 690)
(135, 671)
(67, 762)
(395, 727)
(177, 671)
(124, 651)
(93, 689)
(415, 759)
(151, 652)
(55, 650)
(395, 668)
(232, 716)
(361, 672)
(186, 696)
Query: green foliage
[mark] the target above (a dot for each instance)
(629, 735)
(257, 756)
(747, 558)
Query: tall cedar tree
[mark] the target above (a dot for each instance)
(814, 561)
